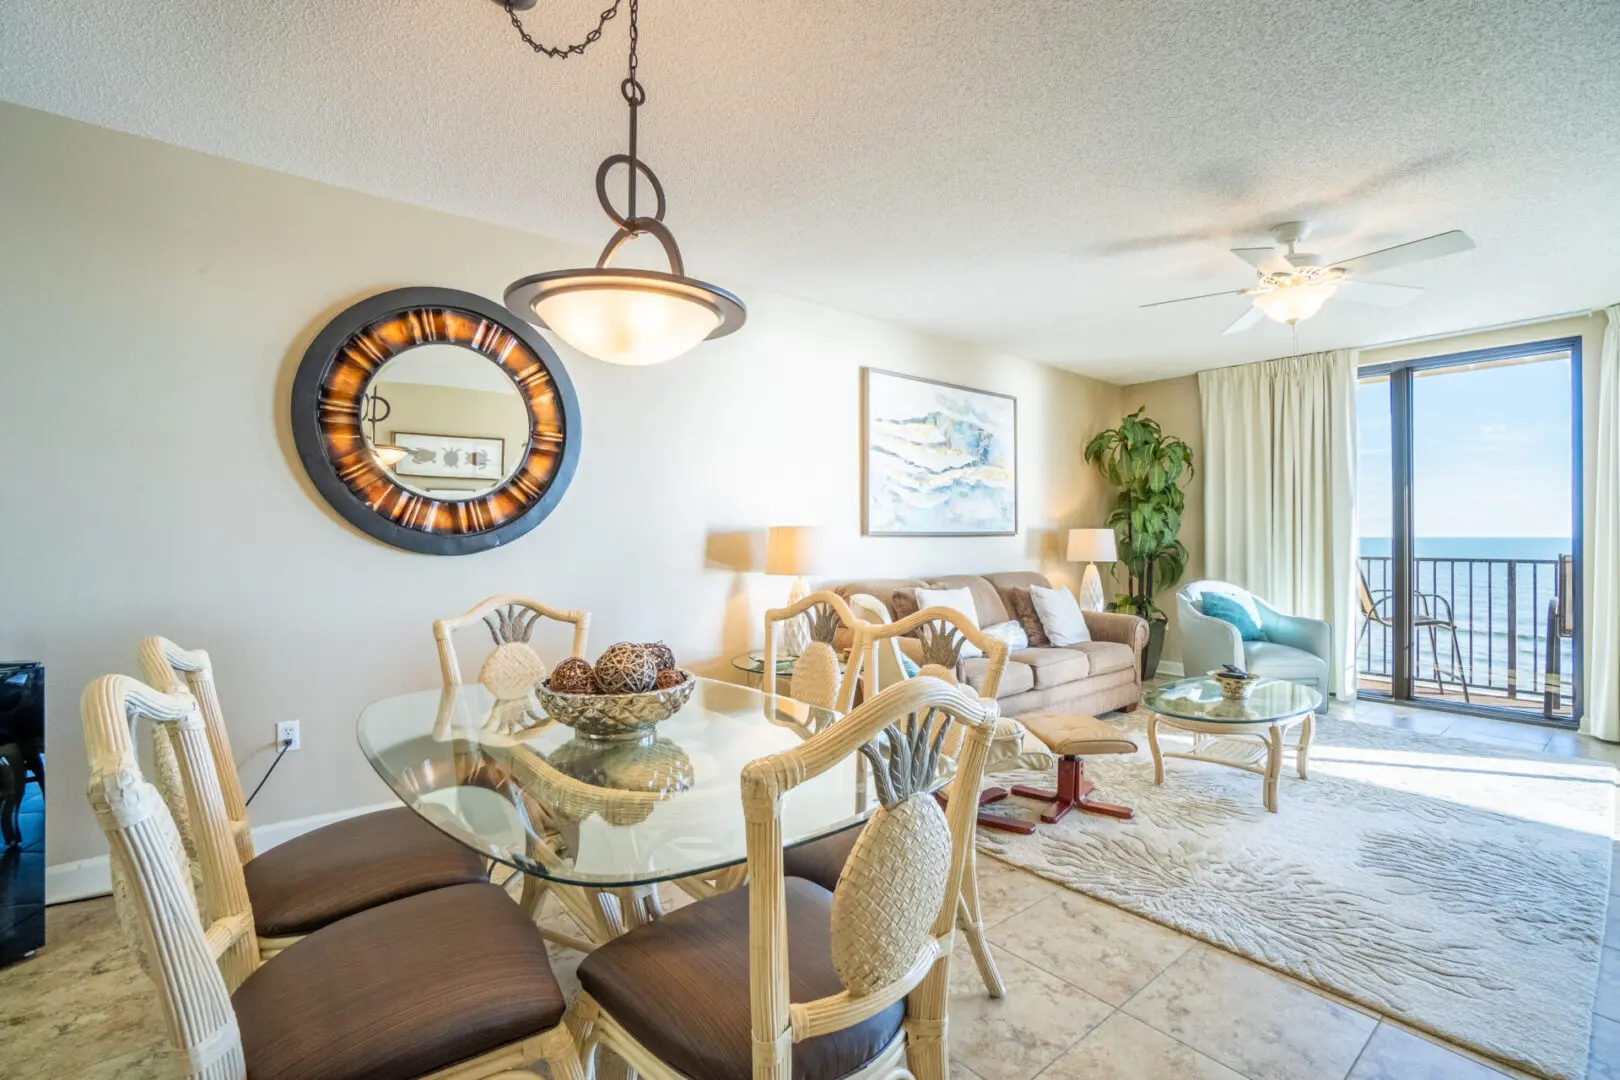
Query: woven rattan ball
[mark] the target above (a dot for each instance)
(626, 668)
(574, 676)
(669, 677)
(662, 654)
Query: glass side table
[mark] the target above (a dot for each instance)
(752, 665)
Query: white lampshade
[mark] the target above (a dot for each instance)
(1291, 303)
(1092, 545)
(793, 549)
(627, 325)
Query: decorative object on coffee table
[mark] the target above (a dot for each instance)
(1245, 734)
(1073, 736)
(1236, 684)
(1092, 546)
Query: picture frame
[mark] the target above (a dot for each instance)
(451, 457)
(937, 458)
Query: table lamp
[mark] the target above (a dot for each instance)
(795, 550)
(1091, 546)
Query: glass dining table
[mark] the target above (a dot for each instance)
(600, 824)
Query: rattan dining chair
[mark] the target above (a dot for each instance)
(452, 983)
(510, 620)
(323, 875)
(815, 676)
(782, 978)
(943, 632)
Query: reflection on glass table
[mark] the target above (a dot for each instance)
(602, 815)
(1244, 734)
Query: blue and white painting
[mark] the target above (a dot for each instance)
(940, 459)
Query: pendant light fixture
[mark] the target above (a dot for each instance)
(377, 408)
(623, 316)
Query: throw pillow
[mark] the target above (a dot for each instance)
(1024, 611)
(1010, 632)
(960, 600)
(1231, 610)
(1060, 615)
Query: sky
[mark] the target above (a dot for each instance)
(1491, 451)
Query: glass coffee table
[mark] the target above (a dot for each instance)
(1256, 725)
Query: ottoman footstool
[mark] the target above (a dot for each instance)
(1073, 736)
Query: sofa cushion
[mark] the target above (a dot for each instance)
(986, 600)
(1052, 666)
(1015, 678)
(894, 593)
(1106, 656)
(679, 986)
(1023, 609)
(400, 991)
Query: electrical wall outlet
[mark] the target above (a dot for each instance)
(287, 735)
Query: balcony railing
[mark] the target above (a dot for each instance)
(1507, 615)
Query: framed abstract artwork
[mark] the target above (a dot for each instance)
(937, 459)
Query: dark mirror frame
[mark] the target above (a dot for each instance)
(327, 401)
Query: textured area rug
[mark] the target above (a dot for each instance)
(1458, 887)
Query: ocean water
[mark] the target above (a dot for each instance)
(1471, 573)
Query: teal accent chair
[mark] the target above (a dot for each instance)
(1296, 649)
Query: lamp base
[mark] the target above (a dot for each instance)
(796, 632)
(1091, 591)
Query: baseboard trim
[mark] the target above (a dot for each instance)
(66, 882)
(1171, 667)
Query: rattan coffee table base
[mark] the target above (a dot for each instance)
(1266, 735)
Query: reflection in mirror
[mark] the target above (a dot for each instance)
(447, 422)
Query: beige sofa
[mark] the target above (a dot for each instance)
(1093, 677)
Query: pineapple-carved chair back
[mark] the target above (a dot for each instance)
(895, 905)
(942, 632)
(815, 670)
(197, 947)
(512, 667)
(173, 670)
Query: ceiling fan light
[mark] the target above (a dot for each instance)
(1291, 303)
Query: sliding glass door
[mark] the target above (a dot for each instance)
(1469, 522)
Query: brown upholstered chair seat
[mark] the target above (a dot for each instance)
(353, 865)
(400, 991)
(821, 861)
(679, 986)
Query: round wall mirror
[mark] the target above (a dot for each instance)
(435, 421)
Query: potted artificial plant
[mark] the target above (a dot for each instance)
(1149, 468)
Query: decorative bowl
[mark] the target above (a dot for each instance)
(1235, 687)
(615, 717)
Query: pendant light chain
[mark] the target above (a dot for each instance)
(635, 95)
(563, 52)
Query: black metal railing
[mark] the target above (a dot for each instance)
(1506, 625)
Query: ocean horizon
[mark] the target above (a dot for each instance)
(1474, 547)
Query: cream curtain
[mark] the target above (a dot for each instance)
(1279, 489)
(1603, 560)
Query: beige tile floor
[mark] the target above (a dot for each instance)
(1093, 993)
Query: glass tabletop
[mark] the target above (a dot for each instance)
(514, 785)
(1200, 699)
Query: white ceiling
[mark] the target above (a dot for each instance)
(1019, 173)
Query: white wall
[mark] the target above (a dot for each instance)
(156, 302)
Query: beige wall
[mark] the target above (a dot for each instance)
(1175, 404)
(161, 299)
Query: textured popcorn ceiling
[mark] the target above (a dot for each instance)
(1019, 173)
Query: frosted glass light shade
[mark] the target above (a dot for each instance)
(627, 325)
(1291, 303)
(389, 455)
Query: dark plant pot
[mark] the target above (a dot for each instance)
(1155, 648)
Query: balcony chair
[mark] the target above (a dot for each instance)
(1426, 615)
(1295, 649)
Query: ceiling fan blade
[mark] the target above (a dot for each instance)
(1376, 293)
(1266, 260)
(1204, 296)
(1244, 321)
(1431, 247)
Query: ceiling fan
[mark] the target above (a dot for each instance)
(1294, 285)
